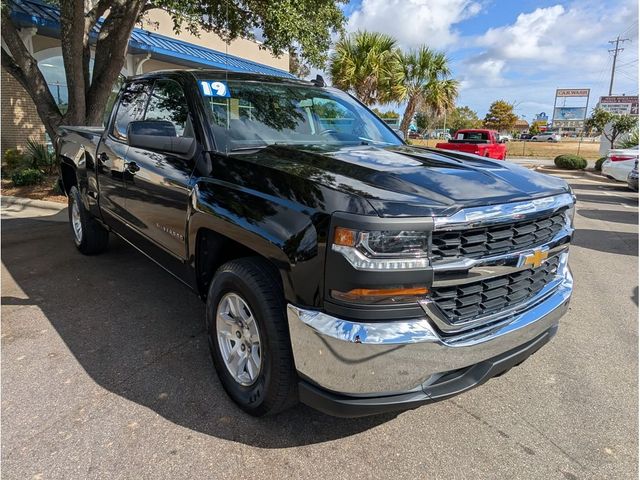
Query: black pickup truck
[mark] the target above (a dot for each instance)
(340, 266)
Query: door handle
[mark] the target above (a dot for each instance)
(132, 167)
(103, 157)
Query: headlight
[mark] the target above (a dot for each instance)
(569, 213)
(383, 249)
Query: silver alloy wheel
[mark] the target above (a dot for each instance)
(76, 222)
(238, 339)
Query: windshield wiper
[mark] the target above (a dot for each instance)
(255, 147)
(367, 141)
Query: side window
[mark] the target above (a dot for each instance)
(132, 103)
(169, 103)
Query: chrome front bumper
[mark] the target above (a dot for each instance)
(387, 358)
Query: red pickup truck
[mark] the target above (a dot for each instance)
(485, 143)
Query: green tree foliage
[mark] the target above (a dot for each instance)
(385, 114)
(500, 116)
(534, 129)
(463, 117)
(297, 65)
(307, 24)
(611, 125)
(426, 84)
(426, 120)
(367, 64)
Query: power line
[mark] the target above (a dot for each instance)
(628, 63)
(628, 29)
(615, 51)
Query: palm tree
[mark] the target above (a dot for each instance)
(368, 64)
(426, 84)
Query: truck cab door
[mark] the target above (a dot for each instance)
(112, 152)
(157, 181)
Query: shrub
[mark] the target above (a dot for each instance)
(14, 160)
(632, 140)
(599, 163)
(570, 162)
(39, 155)
(27, 176)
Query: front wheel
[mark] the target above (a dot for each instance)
(249, 336)
(88, 235)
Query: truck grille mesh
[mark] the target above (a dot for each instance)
(496, 239)
(462, 303)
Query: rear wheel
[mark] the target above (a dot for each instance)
(249, 336)
(88, 235)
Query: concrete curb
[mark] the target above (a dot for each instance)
(8, 201)
(585, 173)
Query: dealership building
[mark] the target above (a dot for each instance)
(153, 46)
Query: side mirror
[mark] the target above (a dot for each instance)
(399, 133)
(158, 135)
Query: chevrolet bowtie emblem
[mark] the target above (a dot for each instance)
(534, 259)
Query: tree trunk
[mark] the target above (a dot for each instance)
(24, 68)
(72, 41)
(111, 49)
(409, 112)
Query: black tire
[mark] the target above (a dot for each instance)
(257, 282)
(93, 237)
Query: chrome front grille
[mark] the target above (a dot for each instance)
(496, 239)
(463, 303)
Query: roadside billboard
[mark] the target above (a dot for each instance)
(620, 104)
(570, 108)
(569, 113)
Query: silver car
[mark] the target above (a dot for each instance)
(632, 179)
(546, 137)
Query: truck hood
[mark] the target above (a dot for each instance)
(410, 181)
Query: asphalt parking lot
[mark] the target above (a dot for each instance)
(106, 374)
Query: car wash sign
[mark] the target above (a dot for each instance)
(620, 104)
(572, 92)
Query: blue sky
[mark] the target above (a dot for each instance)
(520, 51)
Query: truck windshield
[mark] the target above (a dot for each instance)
(250, 114)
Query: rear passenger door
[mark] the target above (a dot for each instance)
(157, 182)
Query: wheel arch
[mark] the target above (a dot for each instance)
(68, 174)
(235, 223)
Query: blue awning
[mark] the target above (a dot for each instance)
(33, 13)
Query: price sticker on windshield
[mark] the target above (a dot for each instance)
(214, 89)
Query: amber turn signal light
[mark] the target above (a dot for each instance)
(380, 295)
(344, 236)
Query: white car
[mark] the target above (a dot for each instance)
(546, 137)
(506, 137)
(619, 163)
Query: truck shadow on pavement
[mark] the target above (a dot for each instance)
(139, 333)
(615, 216)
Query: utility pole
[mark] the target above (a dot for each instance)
(615, 51)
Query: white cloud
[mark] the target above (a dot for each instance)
(414, 22)
(558, 46)
(527, 36)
